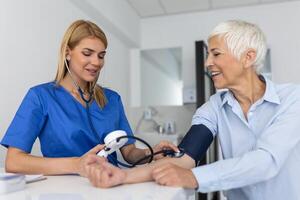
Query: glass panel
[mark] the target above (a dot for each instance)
(161, 77)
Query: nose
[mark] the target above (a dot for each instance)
(208, 61)
(96, 61)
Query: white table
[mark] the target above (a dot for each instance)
(72, 187)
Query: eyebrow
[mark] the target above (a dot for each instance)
(94, 50)
(215, 49)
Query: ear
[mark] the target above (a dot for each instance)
(68, 52)
(249, 58)
(68, 57)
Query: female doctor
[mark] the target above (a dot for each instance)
(56, 112)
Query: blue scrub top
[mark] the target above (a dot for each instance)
(49, 112)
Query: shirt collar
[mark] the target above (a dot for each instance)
(270, 93)
(227, 97)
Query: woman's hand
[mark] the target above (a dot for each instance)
(163, 145)
(169, 174)
(89, 158)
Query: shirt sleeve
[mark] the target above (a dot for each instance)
(26, 124)
(123, 123)
(272, 149)
(206, 115)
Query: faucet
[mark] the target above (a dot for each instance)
(148, 114)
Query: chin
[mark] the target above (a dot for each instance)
(219, 86)
(90, 79)
(220, 82)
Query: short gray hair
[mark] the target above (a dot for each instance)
(240, 36)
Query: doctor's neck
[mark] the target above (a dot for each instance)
(69, 84)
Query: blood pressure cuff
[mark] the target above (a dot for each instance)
(196, 142)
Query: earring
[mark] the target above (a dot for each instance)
(68, 57)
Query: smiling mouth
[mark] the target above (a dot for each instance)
(92, 71)
(213, 74)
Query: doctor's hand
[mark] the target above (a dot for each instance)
(163, 145)
(89, 157)
(172, 175)
(105, 175)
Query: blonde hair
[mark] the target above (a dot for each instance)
(241, 35)
(77, 31)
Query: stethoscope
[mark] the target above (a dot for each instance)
(87, 101)
(111, 158)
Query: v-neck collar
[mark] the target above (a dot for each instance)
(74, 99)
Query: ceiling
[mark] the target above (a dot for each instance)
(151, 8)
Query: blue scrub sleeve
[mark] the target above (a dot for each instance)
(123, 124)
(26, 124)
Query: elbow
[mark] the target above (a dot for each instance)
(272, 167)
(10, 166)
(272, 171)
(11, 163)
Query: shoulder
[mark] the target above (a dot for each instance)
(288, 92)
(213, 104)
(38, 95)
(289, 97)
(43, 88)
(216, 100)
(43, 93)
(218, 97)
(110, 94)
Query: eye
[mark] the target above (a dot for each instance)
(215, 54)
(86, 53)
(101, 55)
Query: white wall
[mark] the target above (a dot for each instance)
(118, 16)
(279, 21)
(31, 32)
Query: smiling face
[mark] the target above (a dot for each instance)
(226, 70)
(86, 59)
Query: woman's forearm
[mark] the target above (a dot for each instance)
(21, 162)
(139, 174)
(144, 173)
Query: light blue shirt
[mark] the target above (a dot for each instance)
(261, 153)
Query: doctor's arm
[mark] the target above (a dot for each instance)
(18, 161)
(132, 154)
(21, 135)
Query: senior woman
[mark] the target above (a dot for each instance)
(255, 120)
